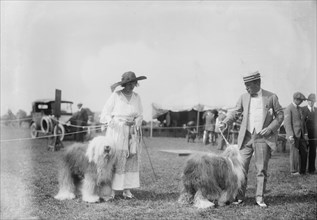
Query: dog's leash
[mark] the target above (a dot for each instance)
(224, 137)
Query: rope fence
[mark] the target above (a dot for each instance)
(16, 119)
(47, 136)
(91, 127)
(79, 126)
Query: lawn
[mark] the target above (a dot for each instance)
(29, 183)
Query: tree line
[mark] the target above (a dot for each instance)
(11, 119)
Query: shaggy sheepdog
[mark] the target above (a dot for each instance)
(88, 168)
(208, 179)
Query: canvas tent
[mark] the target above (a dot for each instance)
(179, 114)
(189, 99)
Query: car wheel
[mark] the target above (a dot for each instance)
(34, 132)
(46, 125)
(59, 130)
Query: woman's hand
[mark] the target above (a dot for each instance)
(265, 131)
(130, 123)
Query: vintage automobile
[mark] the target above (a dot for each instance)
(44, 120)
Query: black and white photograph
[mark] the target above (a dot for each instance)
(158, 109)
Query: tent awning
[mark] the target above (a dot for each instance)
(158, 110)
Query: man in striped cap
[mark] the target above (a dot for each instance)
(262, 117)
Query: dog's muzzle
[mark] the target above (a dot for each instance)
(107, 151)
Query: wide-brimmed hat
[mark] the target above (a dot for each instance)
(251, 76)
(312, 97)
(126, 78)
(223, 110)
(299, 95)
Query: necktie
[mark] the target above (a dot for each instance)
(299, 112)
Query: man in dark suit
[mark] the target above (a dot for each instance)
(294, 124)
(262, 117)
(81, 121)
(310, 115)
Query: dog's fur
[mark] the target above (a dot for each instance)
(209, 179)
(91, 165)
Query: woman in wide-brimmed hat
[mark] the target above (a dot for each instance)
(123, 115)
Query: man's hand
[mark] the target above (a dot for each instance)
(306, 138)
(266, 131)
(222, 126)
(291, 140)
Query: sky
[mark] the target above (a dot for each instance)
(192, 52)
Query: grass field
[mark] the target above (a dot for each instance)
(29, 183)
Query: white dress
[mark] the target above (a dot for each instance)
(115, 113)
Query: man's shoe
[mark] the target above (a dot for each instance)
(237, 202)
(261, 204)
(295, 174)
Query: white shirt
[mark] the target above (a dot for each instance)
(311, 109)
(118, 106)
(255, 117)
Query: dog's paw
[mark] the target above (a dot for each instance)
(203, 204)
(91, 199)
(65, 195)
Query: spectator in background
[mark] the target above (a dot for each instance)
(294, 124)
(210, 123)
(81, 120)
(310, 115)
(168, 119)
(191, 131)
(220, 140)
(234, 130)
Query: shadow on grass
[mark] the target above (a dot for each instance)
(153, 196)
(290, 199)
(284, 199)
(271, 200)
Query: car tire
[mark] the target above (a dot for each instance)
(46, 125)
(59, 130)
(34, 132)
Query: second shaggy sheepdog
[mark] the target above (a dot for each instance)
(209, 179)
(91, 165)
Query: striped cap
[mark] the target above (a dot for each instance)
(251, 76)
